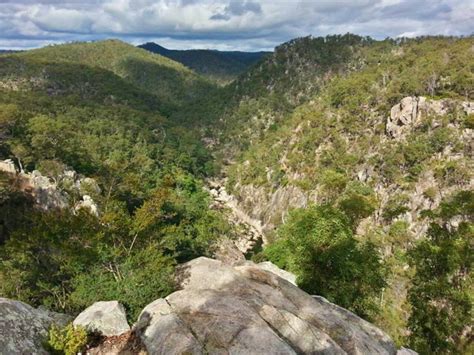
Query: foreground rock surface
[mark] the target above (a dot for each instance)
(23, 328)
(245, 309)
(104, 318)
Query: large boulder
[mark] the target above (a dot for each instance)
(23, 328)
(104, 318)
(245, 309)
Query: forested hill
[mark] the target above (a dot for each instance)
(221, 66)
(172, 83)
(352, 158)
(99, 178)
(379, 132)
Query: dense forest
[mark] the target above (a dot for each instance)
(219, 66)
(373, 214)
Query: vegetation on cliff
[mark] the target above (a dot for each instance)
(80, 108)
(370, 140)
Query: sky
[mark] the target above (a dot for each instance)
(249, 25)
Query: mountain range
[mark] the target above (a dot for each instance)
(221, 66)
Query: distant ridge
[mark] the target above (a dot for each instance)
(171, 82)
(221, 66)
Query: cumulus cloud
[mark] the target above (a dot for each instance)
(225, 24)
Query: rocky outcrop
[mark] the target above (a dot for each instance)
(50, 194)
(8, 166)
(250, 229)
(407, 115)
(267, 206)
(244, 309)
(24, 328)
(104, 318)
(404, 116)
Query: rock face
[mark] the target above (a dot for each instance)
(408, 113)
(404, 116)
(105, 318)
(251, 233)
(23, 328)
(8, 166)
(50, 194)
(244, 309)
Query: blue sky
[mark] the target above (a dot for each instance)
(224, 24)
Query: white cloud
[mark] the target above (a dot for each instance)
(225, 24)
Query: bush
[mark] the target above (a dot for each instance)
(69, 340)
(317, 245)
(441, 291)
(140, 279)
(358, 202)
(395, 206)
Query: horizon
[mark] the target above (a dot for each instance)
(226, 25)
(215, 49)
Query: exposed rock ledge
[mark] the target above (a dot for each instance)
(49, 194)
(245, 309)
(408, 114)
(221, 309)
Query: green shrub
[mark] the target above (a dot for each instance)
(395, 206)
(357, 202)
(137, 281)
(469, 121)
(68, 340)
(318, 246)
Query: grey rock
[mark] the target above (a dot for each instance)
(468, 107)
(404, 116)
(227, 252)
(164, 332)
(244, 309)
(269, 266)
(406, 351)
(105, 318)
(409, 112)
(51, 194)
(24, 328)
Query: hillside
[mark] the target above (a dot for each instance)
(220, 66)
(341, 162)
(385, 136)
(239, 114)
(98, 188)
(171, 82)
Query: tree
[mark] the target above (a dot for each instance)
(317, 245)
(442, 293)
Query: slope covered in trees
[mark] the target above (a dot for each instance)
(80, 109)
(331, 131)
(355, 156)
(171, 82)
(220, 66)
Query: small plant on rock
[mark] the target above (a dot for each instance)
(68, 340)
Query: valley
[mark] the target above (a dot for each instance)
(343, 160)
